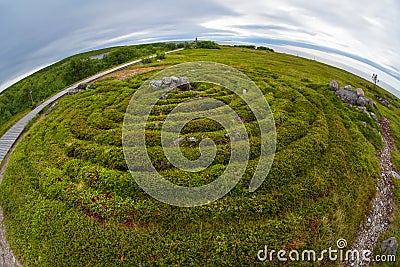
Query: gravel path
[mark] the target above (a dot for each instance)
(7, 258)
(383, 205)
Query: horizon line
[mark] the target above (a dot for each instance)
(249, 40)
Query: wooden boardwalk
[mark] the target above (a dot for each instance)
(11, 136)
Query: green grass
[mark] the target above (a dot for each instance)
(69, 200)
(27, 93)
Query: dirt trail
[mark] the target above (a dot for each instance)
(383, 205)
(126, 73)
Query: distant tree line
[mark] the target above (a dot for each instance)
(256, 47)
(199, 44)
(64, 73)
(58, 76)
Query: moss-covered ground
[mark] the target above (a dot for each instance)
(70, 201)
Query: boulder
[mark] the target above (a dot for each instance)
(371, 103)
(334, 85)
(171, 83)
(82, 86)
(167, 80)
(79, 88)
(184, 83)
(348, 96)
(389, 246)
(157, 84)
(360, 92)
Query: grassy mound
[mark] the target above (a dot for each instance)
(70, 200)
(27, 93)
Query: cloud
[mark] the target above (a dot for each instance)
(366, 29)
(43, 31)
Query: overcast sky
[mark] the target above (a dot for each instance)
(363, 36)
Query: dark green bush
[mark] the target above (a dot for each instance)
(207, 45)
(246, 46)
(265, 48)
(147, 60)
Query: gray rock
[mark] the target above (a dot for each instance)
(362, 101)
(371, 103)
(156, 84)
(191, 139)
(363, 109)
(184, 83)
(178, 141)
(174, 79)
(374, 117)
(351, 97)
(348, 96)
(164, 96)
(167, 80)
(171, 83)
(395, 175)
(383, 100)
(81, 87)
(334, 85)
(389, 246)
(360, 92)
